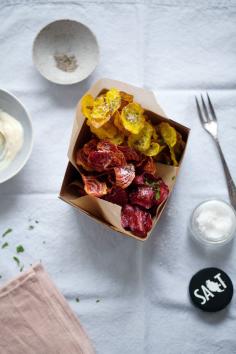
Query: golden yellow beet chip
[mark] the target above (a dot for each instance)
(113, 100)
(142, 140)
(179, 146)
(100, 113)
(100, 110)
(95, 110)
(117, 139)
(154, 135)
(168, 134)
(87, 105)
(118, 123)
(153, 150)
(107, 131)
(173, 157)
(132, 118)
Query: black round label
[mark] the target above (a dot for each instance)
(211, 289)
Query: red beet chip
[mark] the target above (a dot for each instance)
(117, 156)
(100, 156)
(142, 196)
(144, 222)
(160, 189)
(124, 175)
(139, 180)
(149, 166)
(82, 154)
(129, 153)
(145, 179)
(150, 179)
(117, 195)
(82, 160)
(142, 159)
(105, 145)
(99, 160)
(90, 146)
(93, 186)
(138, 221)
(161, 192)
(111, 179)
(118, 159)
(127, 216)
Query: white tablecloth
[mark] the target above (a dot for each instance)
(177, 48)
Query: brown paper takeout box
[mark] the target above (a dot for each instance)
(101, 210)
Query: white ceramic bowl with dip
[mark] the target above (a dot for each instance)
(213, 222)
(65, 52)
(13, 107)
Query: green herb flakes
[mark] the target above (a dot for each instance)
(97, 300)
(77, 299)
(6, 244)
(158, 194)
(8, 231)
(20, 249)
(173, 178)
(31, 227)
(36, 222)
(21, 268)
(16, 259)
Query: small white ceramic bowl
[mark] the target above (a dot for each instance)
(70, 38)
(11, 105)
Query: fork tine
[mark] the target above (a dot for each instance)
(211, 108)
(205, 109)
(199, 112)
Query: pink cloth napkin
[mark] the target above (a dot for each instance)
(36, 319)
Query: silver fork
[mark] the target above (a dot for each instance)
(209, 122)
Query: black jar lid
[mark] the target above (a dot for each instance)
(211, 289)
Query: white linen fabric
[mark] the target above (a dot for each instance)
(178, 49)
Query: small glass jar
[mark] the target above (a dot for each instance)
(213, 222)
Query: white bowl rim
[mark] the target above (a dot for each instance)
(72, 82)
(31, 140)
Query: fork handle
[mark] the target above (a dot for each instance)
(229, 180)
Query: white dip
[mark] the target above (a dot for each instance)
(215, 221)
(11, 139)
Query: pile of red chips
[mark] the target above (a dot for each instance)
(123, 176)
